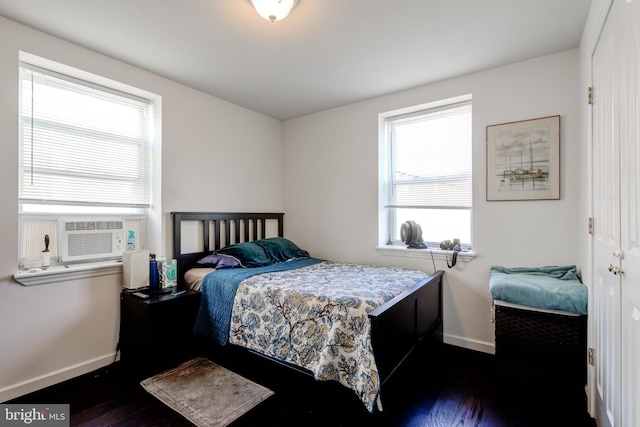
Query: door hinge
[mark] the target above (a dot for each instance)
(590, 95)
(591, 225)
(590, 356)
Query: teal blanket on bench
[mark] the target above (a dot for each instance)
(552, 288)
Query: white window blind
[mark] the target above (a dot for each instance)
(82, 144)
(430, 159)
(426, 173)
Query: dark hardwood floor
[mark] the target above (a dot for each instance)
(446, 386)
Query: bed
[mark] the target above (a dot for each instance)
(362, 353)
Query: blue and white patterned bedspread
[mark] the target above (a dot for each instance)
(316, 317)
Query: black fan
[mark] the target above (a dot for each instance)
(411, 235)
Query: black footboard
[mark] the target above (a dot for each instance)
(400, 324)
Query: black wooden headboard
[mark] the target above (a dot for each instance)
(219, 229)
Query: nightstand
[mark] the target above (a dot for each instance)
(156, 332)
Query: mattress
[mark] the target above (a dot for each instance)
(194, 276)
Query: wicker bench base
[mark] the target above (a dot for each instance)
(541, 346)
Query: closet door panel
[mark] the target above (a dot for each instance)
(606, 216)
(630, 212)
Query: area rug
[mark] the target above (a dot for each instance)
(205, 393)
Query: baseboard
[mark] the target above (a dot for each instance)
(482, 346)
(42, 381)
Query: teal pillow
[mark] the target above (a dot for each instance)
(280, 249)
(250, 254)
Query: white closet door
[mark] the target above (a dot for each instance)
(630, 210)
(616, 204)
(606, 218)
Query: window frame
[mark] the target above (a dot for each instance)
(387, 215)
(55, 168)
(145, 218)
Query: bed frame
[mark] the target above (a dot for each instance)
(396, 326)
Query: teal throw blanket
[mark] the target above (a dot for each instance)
(552, 288)
(219, 290)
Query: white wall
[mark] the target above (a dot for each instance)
(215, 156)
(330, 184)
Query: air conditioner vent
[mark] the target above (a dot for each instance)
(93, 225)
(89, 239)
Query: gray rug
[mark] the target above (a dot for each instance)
(205, 393)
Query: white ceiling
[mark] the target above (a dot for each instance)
(327, 53)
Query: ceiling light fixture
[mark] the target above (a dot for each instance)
(274, 10)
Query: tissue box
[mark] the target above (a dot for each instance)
(168, 274)
(135, 269)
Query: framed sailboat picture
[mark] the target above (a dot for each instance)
(523, 160)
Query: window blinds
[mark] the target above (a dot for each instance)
(81, 143)
(430, 159)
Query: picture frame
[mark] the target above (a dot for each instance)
(523, 160)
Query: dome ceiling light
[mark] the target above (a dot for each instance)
(274, 10)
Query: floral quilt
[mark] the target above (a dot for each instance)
(316, 317)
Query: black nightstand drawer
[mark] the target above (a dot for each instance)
(156, 333)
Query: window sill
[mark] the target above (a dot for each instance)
(438, 254)
(63, 273)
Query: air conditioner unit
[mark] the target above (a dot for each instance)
(90, 238)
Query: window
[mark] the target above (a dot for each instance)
(425, 172)
(85, 149)
(82, 144)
